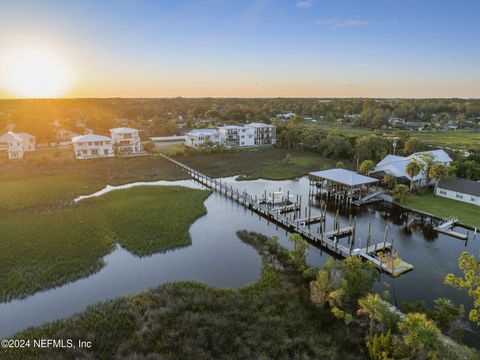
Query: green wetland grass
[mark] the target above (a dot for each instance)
(270, 164)
(270, 319)
(40, 250)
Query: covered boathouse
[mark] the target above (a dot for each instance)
(345, 185)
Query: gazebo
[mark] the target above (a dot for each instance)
(341, 183)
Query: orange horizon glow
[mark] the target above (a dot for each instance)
(34, 72)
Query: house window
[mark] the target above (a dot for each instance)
(94, 151)
(459, 196)
(105, 151)
(472, 199)
(443, 192)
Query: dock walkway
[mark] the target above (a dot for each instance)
(446, 228)
(328, 240)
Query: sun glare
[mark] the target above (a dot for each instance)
(35, 73)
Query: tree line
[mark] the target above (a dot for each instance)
(372, 148)
(157, 115)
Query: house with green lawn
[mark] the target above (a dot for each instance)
(464, 190)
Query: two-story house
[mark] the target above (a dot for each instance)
(14, 145)
(92, 146)
(198, 138)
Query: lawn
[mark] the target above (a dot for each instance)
(44, 249)
(467, 214)
(50, 153)
(271, 319)
(170, 149)
(266, 164)
(459, 138)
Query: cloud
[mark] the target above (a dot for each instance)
(348, 23)
(305, 4)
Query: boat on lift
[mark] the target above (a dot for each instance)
(280, 198)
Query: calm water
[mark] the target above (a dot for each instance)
(217, 257)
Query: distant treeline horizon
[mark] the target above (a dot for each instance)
(166, 116)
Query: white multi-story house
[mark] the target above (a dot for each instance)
(14, 145)
(126, 140)
(263, 134)
(92, 146)
(235, 136)
(202, 138)
(254, 134)
(464, 190)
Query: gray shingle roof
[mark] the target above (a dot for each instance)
(463, 186)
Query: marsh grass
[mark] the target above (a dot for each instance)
(42, 250)
(263, 163)
(270, 319)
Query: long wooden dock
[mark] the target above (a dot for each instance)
(328, 240)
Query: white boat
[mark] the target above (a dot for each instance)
(279, 198)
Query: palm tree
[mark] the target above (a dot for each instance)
(413, 169)
(428, 161)
(400, 192)
(421, 335)
(370, 306)
(439, 172)
(366, 166)
(389, 181)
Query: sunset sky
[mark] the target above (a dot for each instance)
(244, 48)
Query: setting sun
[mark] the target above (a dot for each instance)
(35, 73)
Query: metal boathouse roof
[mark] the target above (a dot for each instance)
(343, 176)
